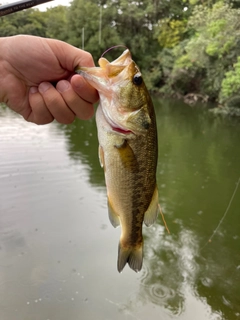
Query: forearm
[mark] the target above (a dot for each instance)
(3, 75)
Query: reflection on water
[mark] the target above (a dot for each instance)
(83, 144)
(58, 250)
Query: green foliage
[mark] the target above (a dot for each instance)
(24, 22)
(230, 86)
(210, 47)
(216, 28)
(56, 23)
(171, 32)
(82, 14)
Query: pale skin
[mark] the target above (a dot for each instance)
(37, 79)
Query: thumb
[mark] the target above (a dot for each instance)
(70, 57)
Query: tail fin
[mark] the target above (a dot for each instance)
(133, 256)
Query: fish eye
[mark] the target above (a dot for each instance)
(137, 79)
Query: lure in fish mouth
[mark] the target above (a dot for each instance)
(128, 151)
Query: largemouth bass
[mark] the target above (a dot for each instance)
(128, 151)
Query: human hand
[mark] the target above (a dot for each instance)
(29, 66)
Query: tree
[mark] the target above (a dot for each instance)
(83, 22)
(230, 86)
(56, 23)
(209, 50)
(31, 21)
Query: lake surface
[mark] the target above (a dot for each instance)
(58, 250)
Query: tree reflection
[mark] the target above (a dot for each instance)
(82, 144)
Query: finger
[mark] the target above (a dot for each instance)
(83, 89)
(82, 109)
(70, 56)
(39, 112)
(55, 103)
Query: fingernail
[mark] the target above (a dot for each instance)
(43, 87)
(62, 85)
(33, 90)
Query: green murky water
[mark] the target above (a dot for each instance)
(58, 250)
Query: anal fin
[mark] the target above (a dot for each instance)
(113, 216)
(153, 209)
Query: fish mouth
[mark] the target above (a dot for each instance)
(103, 79)
(95, 76)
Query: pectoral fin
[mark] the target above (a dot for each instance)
(127, 156)
(152, 211)
(113, 216)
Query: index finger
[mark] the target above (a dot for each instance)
(70, 56)
(83, 89)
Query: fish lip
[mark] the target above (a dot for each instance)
(95, 76)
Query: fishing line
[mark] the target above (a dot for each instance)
(165, 223)
(117, 46)
(224, 216)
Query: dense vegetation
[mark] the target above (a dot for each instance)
(186, 49)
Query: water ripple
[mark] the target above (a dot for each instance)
(159, 292)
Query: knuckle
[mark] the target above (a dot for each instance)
(52, 100)
(89, 57)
